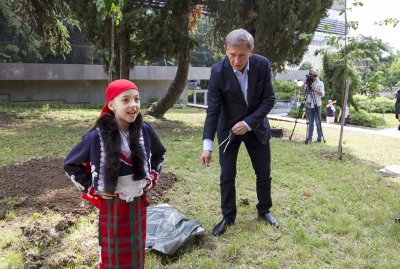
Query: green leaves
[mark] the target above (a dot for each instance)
(388, 21)
(35, 28)
(107, 8)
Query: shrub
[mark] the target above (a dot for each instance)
(363, 118)
(294, 113)
(284, 89)
(375, 105)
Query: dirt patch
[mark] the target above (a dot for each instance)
(6, 120)
(41, 183)
(295, 137)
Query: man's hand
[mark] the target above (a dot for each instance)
(313, 87)
(398, 116)
(239, 128)
(205, 158)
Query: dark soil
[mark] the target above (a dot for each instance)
(41, 183)
(5, 120)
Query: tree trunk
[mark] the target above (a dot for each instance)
(124, 50)
(158, 109)
(124, 66)
(110, 68)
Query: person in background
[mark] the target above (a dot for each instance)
(347, 115)
(114, 165)
(330, 111)
(315, 90)
(240, 95)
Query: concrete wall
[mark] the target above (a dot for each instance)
(76, 83)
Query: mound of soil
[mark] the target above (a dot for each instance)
(41, 183)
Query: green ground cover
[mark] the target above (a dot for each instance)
(333, 214)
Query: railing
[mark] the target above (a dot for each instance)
(199, 98)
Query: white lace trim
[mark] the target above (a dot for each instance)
(72, 177)
(101, 180)
(128, 189)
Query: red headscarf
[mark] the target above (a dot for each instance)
(114, 89)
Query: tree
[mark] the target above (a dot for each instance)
(306, 66)
(363, 57)
(33, 29)
(151, 29)
(282, 29)
(394, 71)
(232, 14)
(247, 14)
(147, 30)
(111, 9)
(96, 19)
(182, 15)
(201, 55)
(333, 75)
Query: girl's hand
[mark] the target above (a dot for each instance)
(106, 195)
(148, 185)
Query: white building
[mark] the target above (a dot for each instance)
(333, 24)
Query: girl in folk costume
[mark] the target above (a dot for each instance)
(114, 165)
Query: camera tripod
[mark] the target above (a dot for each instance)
(318, 121)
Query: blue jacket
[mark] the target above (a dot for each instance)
(87, 164)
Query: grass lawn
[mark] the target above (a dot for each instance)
(333, 214)
(390, 119)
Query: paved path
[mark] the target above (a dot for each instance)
(389, 132)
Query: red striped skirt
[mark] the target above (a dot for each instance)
(122, 233)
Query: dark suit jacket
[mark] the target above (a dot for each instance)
(227, 106)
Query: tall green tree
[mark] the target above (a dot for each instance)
(32, 29)
(334, 72)
(97, 18)
(257, 17)
(180, 19)
(283, 29)
(394, 71)
(364, 55)
(151, 29)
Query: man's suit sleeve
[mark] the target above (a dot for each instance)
(267, 102)
(214, 106)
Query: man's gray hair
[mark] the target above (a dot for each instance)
(238, 37)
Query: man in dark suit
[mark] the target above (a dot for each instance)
(240, 95)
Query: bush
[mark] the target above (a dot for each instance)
(293, 113)
(363, 118)
(284, 89)
(375, 105)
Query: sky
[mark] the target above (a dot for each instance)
(375, 11)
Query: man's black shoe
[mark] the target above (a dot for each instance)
(269, 219)
(220, 228)
(397, 220)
